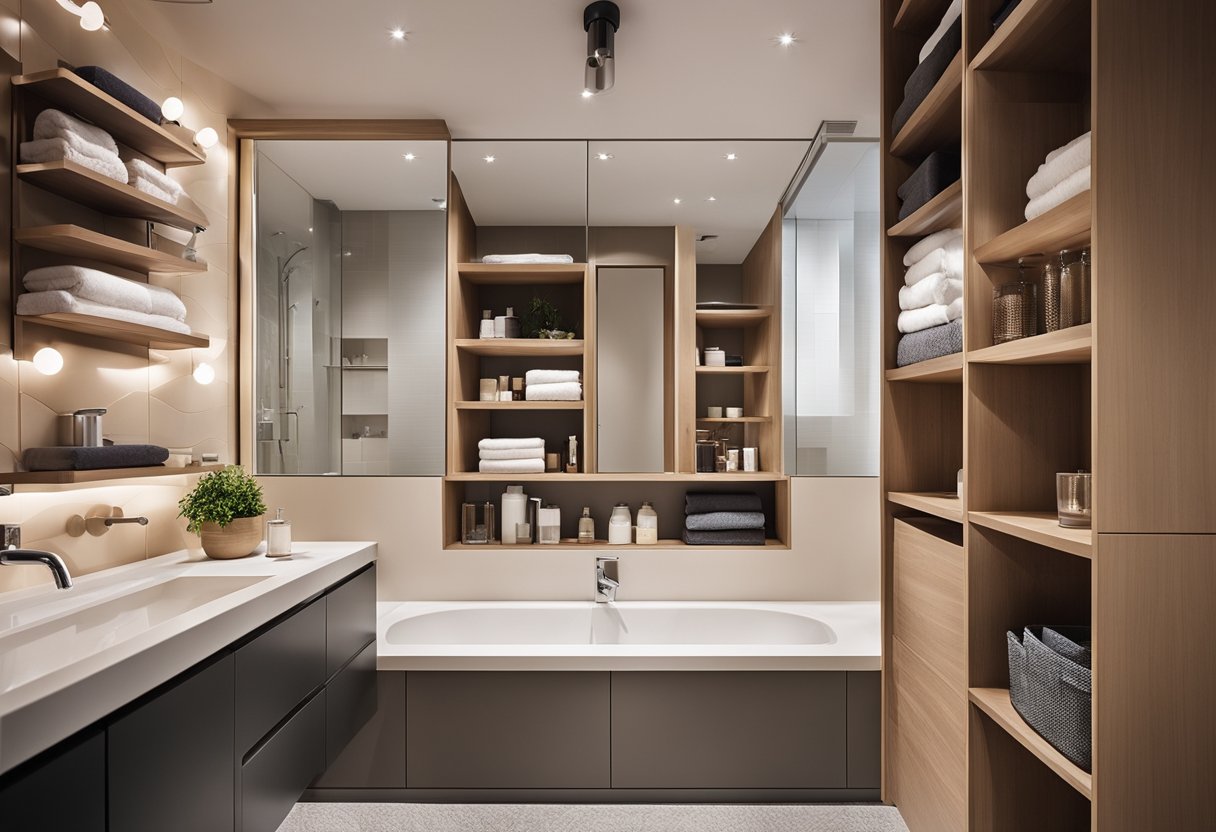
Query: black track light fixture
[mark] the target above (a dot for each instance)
(601, 20)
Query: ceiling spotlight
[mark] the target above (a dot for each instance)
(48, 361)
(677, 200)
(397, 33)
(206, 138)
(604, 157)
(204, 373)
(409, 157)
(786, 39)
(440, 203)
(586, 93)
(601, 20)
(711, 199)
(489, 159)
(172, 108)
(730, 157)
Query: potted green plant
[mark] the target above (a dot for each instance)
(543, 320)
(227, 511)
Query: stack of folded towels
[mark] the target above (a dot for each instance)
(723, 519)
(511, 456)
(939, 171)
(153, 182)
(935, 57)
(931, 299)
(59, 137)
(83, 291)
(1063, 175)
(552, 386)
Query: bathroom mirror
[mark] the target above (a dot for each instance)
(350, 247)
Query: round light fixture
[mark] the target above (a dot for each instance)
(409, 157)
(489, 159)
(206, 138)
(172, 108)
(204, 373)
(677, 200)
(92, 17)
(48, 361)
(786, 39)
(397, 33)
(604, 157)
(730, 157)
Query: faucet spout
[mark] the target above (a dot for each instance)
(605, 587)
(50, 560)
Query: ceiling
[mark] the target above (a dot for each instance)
(366, 176)
(685, 68)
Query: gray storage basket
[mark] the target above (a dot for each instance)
(1050, 686)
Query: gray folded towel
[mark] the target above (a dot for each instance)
(933, 342)
(939, 171)
(112, 85)
(88, 459)
(717, 521)
(697, 502)
(927, 74)
(733, 537)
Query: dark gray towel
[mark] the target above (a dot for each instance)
(698, 502)
(736, 537)
(939, 171)
(930, 71)
(718, 521)
(111, 84)
(1003, 12)
(88, 459)
(933, 342)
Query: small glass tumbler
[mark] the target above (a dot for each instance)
(1074, 499)
(477, 523)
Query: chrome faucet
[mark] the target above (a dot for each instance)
(12, 553)
(605, 587)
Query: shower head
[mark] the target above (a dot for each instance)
(286, 272)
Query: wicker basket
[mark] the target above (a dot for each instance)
(1050, 686)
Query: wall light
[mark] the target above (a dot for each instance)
(489, 159)
(172, 108)
(206, 138)
(48, 361)
(409, 157)
(91, 16)
(204, 373)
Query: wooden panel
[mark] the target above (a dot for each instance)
(762, 343)
(936, 122)
(1065, 346)
(751, 369)
(462, 367)
(125, 331)
(917, 15)
(943, 370)
(32, 797)
(1042, 527)
(1042, 35)
(522, 274)
(274, 778)
(732, 318)
(520, 347)
(589, 441)
(996, 705)
(944, 504)
(684, 344)
(74, 241)
(922, 443)
(928, 585)
(943, 211)
(93, 190)
(354, 129)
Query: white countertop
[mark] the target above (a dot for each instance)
(69, 658)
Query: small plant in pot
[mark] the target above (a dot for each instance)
(227, 511)
(543, 320)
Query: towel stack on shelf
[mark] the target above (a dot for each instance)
(1063, 175)
(152, 182)
(931, 298)
(112, 85)
(935, 57)
(552, 386)
(939, 171)
(712, 519)
(59, 137)
(511, 456)
(84, 291)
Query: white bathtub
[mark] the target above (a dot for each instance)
(630, 635)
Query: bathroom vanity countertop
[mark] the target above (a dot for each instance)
(69, 658)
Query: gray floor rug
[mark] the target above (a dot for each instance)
(434, 817)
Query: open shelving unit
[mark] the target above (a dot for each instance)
(100, 474)
(74, 241)
(94, 190)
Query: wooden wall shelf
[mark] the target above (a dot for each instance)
(917, 15)
(736, 420)
(732, 371)
(738, 476)
(74, 241)
(146, 336)
(733, 318)
(519, 406)
(568, 543)
(941, 504)
(100, 474)
(948, 369)
(937, 121)
(1067, 226)
(1065, 346)
(522, 274)
(519, 347)
(1041, 527)
(943, 211)
(1039, 35)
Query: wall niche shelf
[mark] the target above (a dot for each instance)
(74, 241)
(93, 190)
(1065, 346)
(733, 477)
(732, 371)
(915, 15)
(1041, 527)
(100, 474)
(943, 211)
(524, 405)
(733, 318)
(941, 504)
(131, 333)
(935, 123)
(945, 370)
(522, 274)
(573, 544)
(735, 420)
(1041, 35)
(1067, 226)
(519, 347)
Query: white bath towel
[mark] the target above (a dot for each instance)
(947, 261)
(1061, 164)
(510, 444)
(954, 309)
(107, 289)
(517, 453)
(1066, 190)
(138, 168)
(936, 288)
(56, 124)
(953, 11)
(45, 303)
(150, 188)
(527, 258)
(914, 320)
(550, 376)
(511, 466)
(565, 391)
(61, 150)
(936, 240)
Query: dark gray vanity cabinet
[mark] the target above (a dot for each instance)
(279, 770)
(62, 790)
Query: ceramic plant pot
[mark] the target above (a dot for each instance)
(236, 540)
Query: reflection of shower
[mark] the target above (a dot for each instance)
(285, 309)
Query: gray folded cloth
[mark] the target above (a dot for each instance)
(933, 342)
(733, 537)
(111, 84)
(697, 502)
(717, 521)
(87, 459)
(939, 171)
(924, 77)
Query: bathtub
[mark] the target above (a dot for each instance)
(629, 635)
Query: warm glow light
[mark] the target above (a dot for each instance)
(172, 108)
(604, 157)
(489, 160)
(48, 361)
(409, 157)
(397, 33)
(204, 373)
(786, 39)
(711, 199)
(586, 93)
(730, 157)
(92, 17)
(206, 138)
(677, 200)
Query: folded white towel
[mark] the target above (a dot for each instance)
(549, 376)
(564, 391)
(1077, 183)
(107, 289)
(61, 150)
(914, 320)
(511, 466)
(515, 453)
(1061, 163)
(954, 310)
(138, 168)
(953, 11)
(947, 261)
(509, 444)
(56, 124)
(939, 239)
(527, 258)
(150, 188)
(45, 303)
(936, 288)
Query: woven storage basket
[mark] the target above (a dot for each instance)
(1050, 686)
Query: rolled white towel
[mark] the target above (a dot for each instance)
(550, 376)
(510, 444)
(46, 303)
(914, 320)
(150, 188)
(565, 391)
(953, 11)
(528, 258)
(936, 288)
(1061, 163)
(107, 289)
(940, 239)
(1079, 182)
(56, 124)
(511, 466)
(61, 150)
(947, 261)
(515, 453)
(139, 168)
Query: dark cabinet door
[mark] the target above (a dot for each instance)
(64, 790)
(350, 620)
(172, 763)
(273, 779)
(350, 702)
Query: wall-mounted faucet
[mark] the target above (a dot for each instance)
(12, 554)
(605, 587)
(98, 521)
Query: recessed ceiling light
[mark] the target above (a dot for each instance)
(440, 202)
(310, 229)
(786, 39)
(586, 93)
(711, 199)
(730, 157)
(346, 253)
(604, 157)
(677, 200)
(409, 157)
(489, 159)
(396, 33)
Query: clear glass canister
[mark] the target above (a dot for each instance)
(1013, 311)
(586, 526)
(620, 525)
(278, 536)
(648, 525)
(549, 522)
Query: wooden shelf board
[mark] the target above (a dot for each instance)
(518, 347)
(522, 274)
(943, 211)
(995, 703)
(917, 15)
(106, 195)
(520, 405)
(941, 504)
(1068, 225)
(938, 121)
(1065, 346)
(147, 336)
(948, 369)
(733, 318)
(1041, 527)
(754, 368)
(68, 91)
(728, 420)
(1039, 35)
(74, 241)
(99, 474)
(737, 476)
(572, 543)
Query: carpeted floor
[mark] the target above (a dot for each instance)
(433, 817)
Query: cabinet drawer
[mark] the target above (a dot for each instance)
(32, 798)
(928, 590)
(274, 778)
(350, 619)
(350, 701)
(276, 671)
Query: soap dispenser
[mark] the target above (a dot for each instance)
(648, 525)
(586, 526)
(278, 536)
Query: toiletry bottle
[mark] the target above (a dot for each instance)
(550, 525)
(504, 388)
(278, 536)
(572, 455)
(586, 527)
(517, 389)
(620, 525)
(514, 512)
(648, 525)
(511, 324)
(487, 324)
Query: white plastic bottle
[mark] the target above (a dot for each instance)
(620, 525)
(648, 525)
(514, 511)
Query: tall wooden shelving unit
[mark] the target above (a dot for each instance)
(1128, 397)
